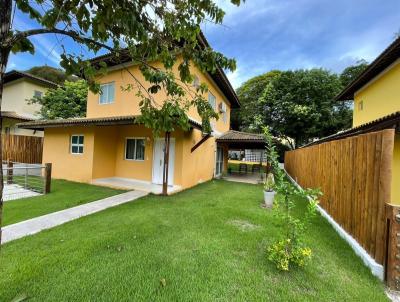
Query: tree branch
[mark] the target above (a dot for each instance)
(74, 35)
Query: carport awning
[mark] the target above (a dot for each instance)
(242, 140)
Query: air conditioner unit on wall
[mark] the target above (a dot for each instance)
(222, 107)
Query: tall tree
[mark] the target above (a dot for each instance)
(352, 72)
(151, 30)
(299, 105)
(249, 94)
(64, 101)
(52, 74)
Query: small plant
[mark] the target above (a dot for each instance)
(290, 249)
(269, 183)
(284, 252)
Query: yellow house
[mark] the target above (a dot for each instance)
(109, 148)
(19, 87)
(376, 95)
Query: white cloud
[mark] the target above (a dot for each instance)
(236, 78)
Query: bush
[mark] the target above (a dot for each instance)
(290, 249)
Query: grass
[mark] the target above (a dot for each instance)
(203, 244)
(64, 194)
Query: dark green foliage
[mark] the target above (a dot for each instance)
(249, 94)
(300, 105)
(52, 74)
(296, 104)
(64, 102)
(352, 72)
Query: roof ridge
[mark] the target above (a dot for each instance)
(29, 75)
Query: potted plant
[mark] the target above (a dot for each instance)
(269, 193)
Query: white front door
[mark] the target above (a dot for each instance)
(158, 161)
(219, 162)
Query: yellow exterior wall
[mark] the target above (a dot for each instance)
(199, 164)
(105, 142)
(380, 97)
(127, 103)
(130, 168)
(104, 155)
(56, 150)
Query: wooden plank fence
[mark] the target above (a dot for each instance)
(23, 149)
(354, 175)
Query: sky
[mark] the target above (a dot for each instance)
(263, 35)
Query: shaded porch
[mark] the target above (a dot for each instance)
(250, 170)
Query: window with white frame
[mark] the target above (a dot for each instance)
(134, 148)
(77, 144)
(107, 92)
(212, 100)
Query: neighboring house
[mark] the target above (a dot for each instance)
(108, 147)
(376, 95)
(19, 87)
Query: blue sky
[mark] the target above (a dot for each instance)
(276, 34)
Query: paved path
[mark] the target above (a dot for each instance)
(37, 224)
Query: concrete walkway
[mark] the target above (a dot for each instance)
(37, 224)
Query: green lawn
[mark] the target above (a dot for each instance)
(203, 244)
(64, 194)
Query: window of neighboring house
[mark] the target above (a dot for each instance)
(37, 94)
(134, 148)
(77, 144)
(360, 105)
(107, 92)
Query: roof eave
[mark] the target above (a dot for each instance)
(388, 56)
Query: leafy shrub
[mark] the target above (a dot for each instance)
(290, 249)
(284, 254)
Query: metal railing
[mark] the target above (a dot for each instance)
(22, 180)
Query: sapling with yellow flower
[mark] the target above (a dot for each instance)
(289, 250)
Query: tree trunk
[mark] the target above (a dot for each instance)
(166, 163)
(5, 23)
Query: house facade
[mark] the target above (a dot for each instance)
(376, 95)
(19, 87)
(108, 147)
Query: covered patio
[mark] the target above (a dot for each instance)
(250, 170)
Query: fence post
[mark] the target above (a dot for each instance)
(47, 178)
(10, 165)
(392, 265)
